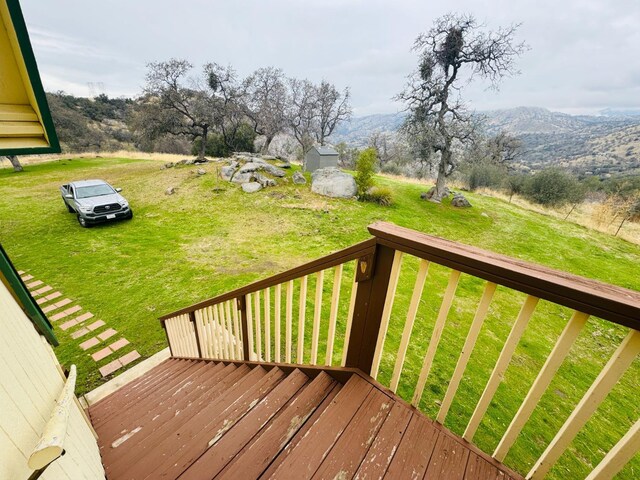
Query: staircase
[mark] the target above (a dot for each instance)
(196, 419)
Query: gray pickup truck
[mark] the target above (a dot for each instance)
(95, 201)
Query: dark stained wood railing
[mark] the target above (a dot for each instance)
(207, 329)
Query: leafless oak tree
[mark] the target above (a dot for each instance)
(301, 112)
(266, 103)
(454, 50)
(332, 108)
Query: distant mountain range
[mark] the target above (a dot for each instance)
(603, 144)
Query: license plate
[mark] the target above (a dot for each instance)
(113, 215)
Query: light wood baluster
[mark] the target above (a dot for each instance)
(469, 343)
(267, 324)
(317, 314)
(236, 322)
(438, 327)
(217, 325)
(200, 328)
(386, 312)
(423, 269)
(230, 335)
(333, 314)
(549, 369)
(257, 316)
(223, 331)
(302, 311)
(289, 321)
(277, 321)
(618, 456)
(251, 355)
(352, 304)
(501, 365)
(212, 333)
(625, 354)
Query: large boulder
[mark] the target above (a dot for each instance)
(460, 201)
(240, 177)
(227, 171)
(429, 194)
(251, 187)
(331, 182)
(251, 167)
(264, 180)
(298, 178)
(272, 170)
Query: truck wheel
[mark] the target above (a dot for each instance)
(83, 223)
(71, 210)
(130, 216)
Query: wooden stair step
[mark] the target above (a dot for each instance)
(221, 452)
(125, 397)
(303, 460)
(267, 444)
(152, 406)
(414, 451)
(196, 442)
(188, 416)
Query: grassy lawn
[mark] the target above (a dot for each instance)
(209, 237)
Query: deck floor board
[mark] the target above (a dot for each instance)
(203, 420)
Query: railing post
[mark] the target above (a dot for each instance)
(242, 305)
(192, 318)
(166, 333)
(372, 282)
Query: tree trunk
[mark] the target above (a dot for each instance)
(15, 162)
(620, 226)
(441, 180)
(267, 142)
(203, 145)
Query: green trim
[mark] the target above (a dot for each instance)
(26, 301)
(36, 84)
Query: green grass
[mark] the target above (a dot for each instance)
(209, 237)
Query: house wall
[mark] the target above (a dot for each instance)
(30, 382)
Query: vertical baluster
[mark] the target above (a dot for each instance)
(218, 331)
(251, 354)
(622, 358)
(224, 333)
(277, 321)
(333, 315)
(203, 333)
(267, 324)
(256, 314)
(302, 311)
(236, 322)
(438, 327)
(421, 277)
(200, 333)
(386, 312)
(317, 314)
(289, 320)
(352, 304)
(618, 456)
(230, 334)
(215, 347)
(183, 336)
(549, 369)
(173, 340)
(501, 366)
(472, 336)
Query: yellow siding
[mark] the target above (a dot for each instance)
(29, 385)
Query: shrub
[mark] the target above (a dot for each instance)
(485, 175)
(365, 169)
(242, 141)
(380, 195)
(514, 184)
(553, 187)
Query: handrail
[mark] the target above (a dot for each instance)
(351, 253)
(613, 303)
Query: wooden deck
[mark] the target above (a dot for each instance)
(194, 419)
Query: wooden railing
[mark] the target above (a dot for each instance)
(361, 309)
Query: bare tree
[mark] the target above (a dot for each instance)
(170, 106)
(266, 103)
(301, 112)
(333, 108)
(438, 120)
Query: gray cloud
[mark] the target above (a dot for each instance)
(584, 53)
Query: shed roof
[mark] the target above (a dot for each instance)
(324, 150)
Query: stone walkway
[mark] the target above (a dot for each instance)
(85, 326)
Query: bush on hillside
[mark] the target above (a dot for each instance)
(514, 184)
(365, 169)
(242, 141)
(553, 187)
(380, 195)
(485, 175)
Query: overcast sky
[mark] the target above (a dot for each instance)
(584, 56)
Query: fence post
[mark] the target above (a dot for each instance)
(372, 283)
(242, 306)
(192, 318)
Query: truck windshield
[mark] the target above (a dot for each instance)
(94, 191)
